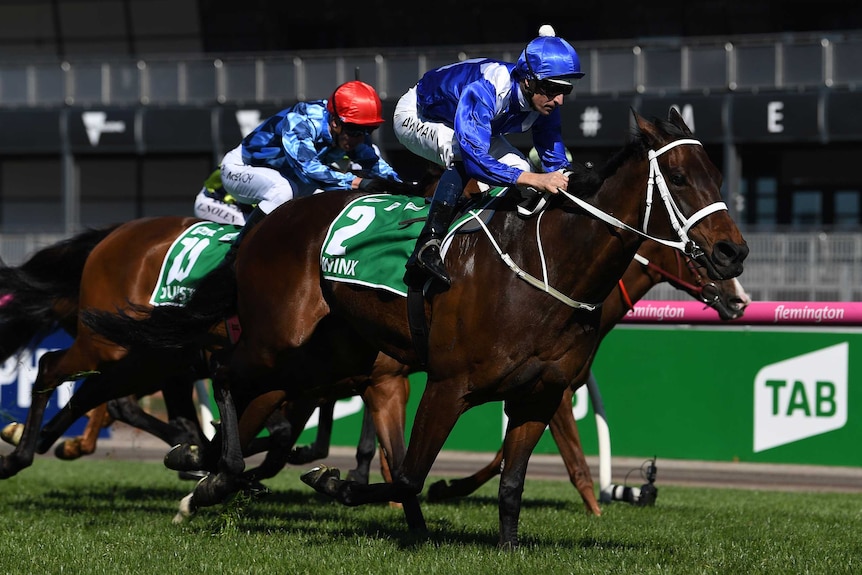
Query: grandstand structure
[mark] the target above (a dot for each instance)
(89, 138)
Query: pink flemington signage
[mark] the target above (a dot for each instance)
(757, 313)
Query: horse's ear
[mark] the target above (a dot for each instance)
(675, 118)
(645, 127)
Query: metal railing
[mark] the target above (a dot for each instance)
(780, 267)
(651, 66)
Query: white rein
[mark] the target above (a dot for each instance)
(678, 221)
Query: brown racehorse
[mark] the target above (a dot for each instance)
(102, 269)
(654, 264)
(117, 273)
(493, 335)
(40, 296)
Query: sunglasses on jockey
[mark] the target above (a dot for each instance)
(354, 131)
(552, 88)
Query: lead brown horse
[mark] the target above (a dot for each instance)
(653, 264)
(493, 336)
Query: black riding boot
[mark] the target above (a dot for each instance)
(254, 218)
(426, 255)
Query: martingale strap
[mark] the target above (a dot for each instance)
(533, 281)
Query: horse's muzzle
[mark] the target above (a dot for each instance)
(726, 259)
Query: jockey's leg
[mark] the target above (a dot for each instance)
(426, 255)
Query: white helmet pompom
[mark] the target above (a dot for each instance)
(547, 30)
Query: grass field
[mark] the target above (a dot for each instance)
(114, 517)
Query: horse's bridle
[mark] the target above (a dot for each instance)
(706, 292)
(678, 221)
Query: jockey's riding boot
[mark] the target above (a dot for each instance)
(254, 218)
(426, 255)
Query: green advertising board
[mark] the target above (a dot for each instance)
(714, 393)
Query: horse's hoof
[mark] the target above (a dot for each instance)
(68, 450)
(322, 478)
(302, 455)
(437, 491)
(184, 457)
(254, 489)
(186, 511)
(214, 489)
(11, 434)
(192, 475)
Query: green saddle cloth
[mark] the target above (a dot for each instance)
(369, 242)
(195, 253)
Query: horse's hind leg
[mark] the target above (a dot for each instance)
(182, 411)
(215, 487)
(443, 490)
(319, 448)
(44, 386)
(85, 444)
(564, 430)
(365, 451)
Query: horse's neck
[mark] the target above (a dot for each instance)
(602, 246)
(631, 288)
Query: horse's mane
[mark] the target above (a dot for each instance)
(585, 179)
(31, 289)
(62, 263)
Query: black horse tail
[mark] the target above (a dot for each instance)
(172, 327)
(30, 294)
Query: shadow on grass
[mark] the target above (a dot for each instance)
(473, 521)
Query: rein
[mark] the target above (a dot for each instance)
(679, 222)
(533, 281)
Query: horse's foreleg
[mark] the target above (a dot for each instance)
(43, 388)
(527, 422)
(215, 487)
(285, 426)
(443, 489)
(365, 451)
(439, 409)
(564, 430)
(320, 447)
(90, 394)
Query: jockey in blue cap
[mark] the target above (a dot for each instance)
(456, 116)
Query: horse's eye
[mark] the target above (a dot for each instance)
(677, 179)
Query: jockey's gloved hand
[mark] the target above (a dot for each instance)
(385, 186)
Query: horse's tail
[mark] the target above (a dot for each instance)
(171, 327)
(30, 293)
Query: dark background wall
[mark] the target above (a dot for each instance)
(121, 28)
(264, 25)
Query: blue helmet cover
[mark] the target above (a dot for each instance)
(549, 57)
